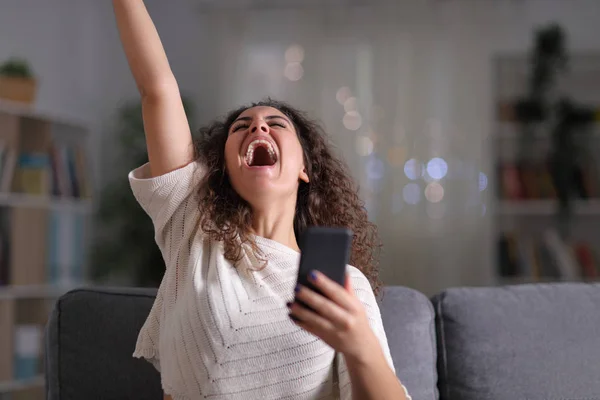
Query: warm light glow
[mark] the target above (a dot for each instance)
(350, 104)
(434, 192)
(364, 146)
(437, 168)
(413, 169)
(396, 156)
(294, 71)
(343, 94)
(352, 120)
(411, 193)
(294, 54)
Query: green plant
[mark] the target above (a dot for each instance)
(125, 243)
(16, 68)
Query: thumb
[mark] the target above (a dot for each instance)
(348, 284)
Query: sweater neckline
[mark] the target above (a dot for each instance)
(272, 244)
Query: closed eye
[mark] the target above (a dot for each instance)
(278, 124)
(240, 126)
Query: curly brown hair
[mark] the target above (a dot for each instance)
(330, 199)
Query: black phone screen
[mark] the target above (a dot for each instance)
(326, 250)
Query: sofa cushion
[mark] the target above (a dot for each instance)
(529, 342)
(409, 320)
(90, 339)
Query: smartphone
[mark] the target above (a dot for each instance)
(326, 250)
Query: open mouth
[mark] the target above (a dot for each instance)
(260, 153)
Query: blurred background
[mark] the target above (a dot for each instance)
(470, 126)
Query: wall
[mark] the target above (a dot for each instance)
(74, 49)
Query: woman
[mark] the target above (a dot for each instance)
(226, 214)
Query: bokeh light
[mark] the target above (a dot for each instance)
(483, 181)
(437, 168)
(413, 169)
(294, 54)
(293, 71)
(411, 193)
(351, 104)
(434, 192)
(343, 94)
(396, 156)
(375, 169)
(352, 120)
(364, 146)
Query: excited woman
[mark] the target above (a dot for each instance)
(227, 212)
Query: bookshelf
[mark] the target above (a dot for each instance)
(528, 246)
(45, 209)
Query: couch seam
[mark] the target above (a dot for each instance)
(440, 314)
(58, 347)
(434, 352)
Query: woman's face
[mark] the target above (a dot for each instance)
(263, 156)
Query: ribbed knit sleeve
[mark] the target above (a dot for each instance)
(364, 291)
(171, 203)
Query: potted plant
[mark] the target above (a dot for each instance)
(17, 82)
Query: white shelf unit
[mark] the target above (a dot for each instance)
(49, 292)
(26, 111)
(546, 208)
(14, 386)
(528, 219)
(60, 209)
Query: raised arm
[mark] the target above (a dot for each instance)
(168, 135)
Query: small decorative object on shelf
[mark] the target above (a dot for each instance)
(17, 82)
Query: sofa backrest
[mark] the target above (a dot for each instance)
(90, 338)
(534, 342)
(529, 342)
(409, 323)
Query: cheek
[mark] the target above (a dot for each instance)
(231, 156)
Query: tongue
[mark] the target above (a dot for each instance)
(261, 157)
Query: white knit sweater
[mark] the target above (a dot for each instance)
(220, 332)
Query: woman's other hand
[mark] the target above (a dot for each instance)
(339, 318)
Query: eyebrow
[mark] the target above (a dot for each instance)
(269, 117)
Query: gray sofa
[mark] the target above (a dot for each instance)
(529, 342)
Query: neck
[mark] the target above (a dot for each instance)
(276, 223)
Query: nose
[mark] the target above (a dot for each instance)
(259, 125)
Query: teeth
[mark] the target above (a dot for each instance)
(254, 144)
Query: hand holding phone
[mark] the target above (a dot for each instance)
(326, 250)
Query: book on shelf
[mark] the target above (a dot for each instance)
(7, 315)
(42, 246)
(547, 257)
(59, 173)
(41, 158)
(530, 181)
(27, 351)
